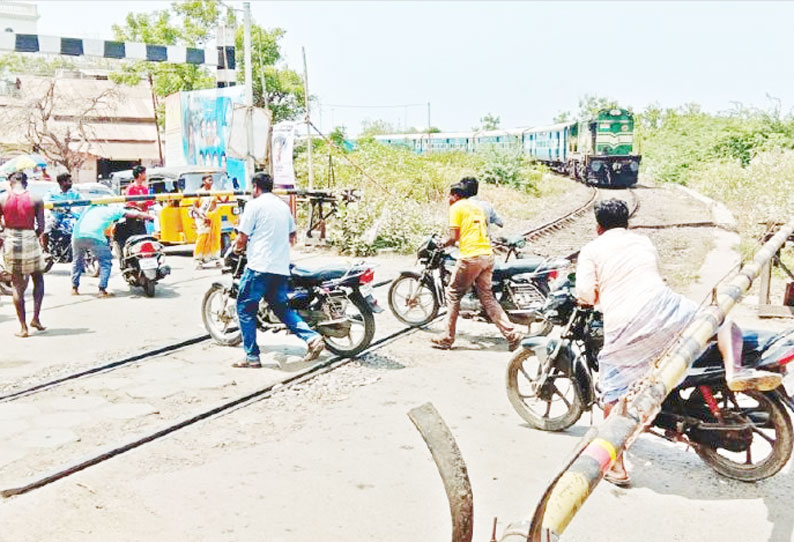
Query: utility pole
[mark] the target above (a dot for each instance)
(308, 120)
(428, 117)
(249, 94)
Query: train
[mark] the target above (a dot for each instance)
(598, 151)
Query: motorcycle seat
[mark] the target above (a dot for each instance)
(516, 267)
(305, 275)
(136, 238)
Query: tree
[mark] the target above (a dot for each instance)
(377, 127)
(590, 105)
(192, 23)
(59, 126)
(488, 122)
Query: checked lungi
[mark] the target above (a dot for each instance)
(22, 252)
(629, 353)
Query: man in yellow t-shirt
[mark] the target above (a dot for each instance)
(468, 225)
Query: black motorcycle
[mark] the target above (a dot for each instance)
(141, 256)
(335, 301)
(742, 435)
(520, 287)
(59, 246)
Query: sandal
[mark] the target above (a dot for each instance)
(617, 479)
(441, 344)
(247, 365)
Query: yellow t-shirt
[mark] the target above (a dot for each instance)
(473, 224)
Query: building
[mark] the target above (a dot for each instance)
(19, 17)
(114, 134)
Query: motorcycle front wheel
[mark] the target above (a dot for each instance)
(555, 406)
(412, 301)
(219, 313)
(91, 264)
(48, 262)
(362, 328)
(761, 443)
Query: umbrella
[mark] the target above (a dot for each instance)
(25, 161)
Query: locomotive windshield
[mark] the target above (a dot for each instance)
(614, 132)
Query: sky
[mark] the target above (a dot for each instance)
(522, 61)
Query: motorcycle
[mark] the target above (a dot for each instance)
(141, 257)
(520, 287)
(335, 301)
(59, 246)
(743, 435)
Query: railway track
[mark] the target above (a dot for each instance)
(565, 235)
(60, 469)
(239, 402)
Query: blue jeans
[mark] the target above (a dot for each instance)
(253, 287)
(101, 251)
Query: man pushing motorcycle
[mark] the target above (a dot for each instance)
(468, 225)
(266, 231)
(642, 315)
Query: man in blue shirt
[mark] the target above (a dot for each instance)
(267, 229)
(89, 234)
(58, 215)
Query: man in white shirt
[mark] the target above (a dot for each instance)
(267, 229)
(642, 316)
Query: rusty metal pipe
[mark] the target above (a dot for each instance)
(450, 466)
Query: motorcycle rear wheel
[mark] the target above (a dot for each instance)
(362, 329)
(219, 313)
(560, 393)
(412, 301)
(771, 429)
(149, 287)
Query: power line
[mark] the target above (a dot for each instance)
(373, 106)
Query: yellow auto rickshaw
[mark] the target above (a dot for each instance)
(175, 225)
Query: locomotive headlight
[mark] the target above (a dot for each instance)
(634, 166)
(595, 165)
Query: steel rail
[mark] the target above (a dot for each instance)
(246, 400)
(107, 367)
(103, 368)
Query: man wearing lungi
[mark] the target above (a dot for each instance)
(23, 217)
(642, 316)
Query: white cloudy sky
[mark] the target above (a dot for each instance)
(523, 61)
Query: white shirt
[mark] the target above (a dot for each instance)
(619, 271)
(268, 223)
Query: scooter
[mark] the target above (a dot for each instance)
(141, 257)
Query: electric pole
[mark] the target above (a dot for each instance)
(308, 120)
(249, 94)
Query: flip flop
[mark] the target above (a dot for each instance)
(619, 481)
(247, 365)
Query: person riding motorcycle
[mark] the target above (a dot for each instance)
(642, 315)
(61, 218)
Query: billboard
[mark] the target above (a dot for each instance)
(200, 127)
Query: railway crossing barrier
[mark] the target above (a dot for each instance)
(323, 204)
(599, 449)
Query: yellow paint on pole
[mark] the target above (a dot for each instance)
(565, 500)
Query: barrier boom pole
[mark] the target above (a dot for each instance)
(598, 451)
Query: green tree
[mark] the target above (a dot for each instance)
(193, 23)
(590, 105)
(377, 127)
(488, 122)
